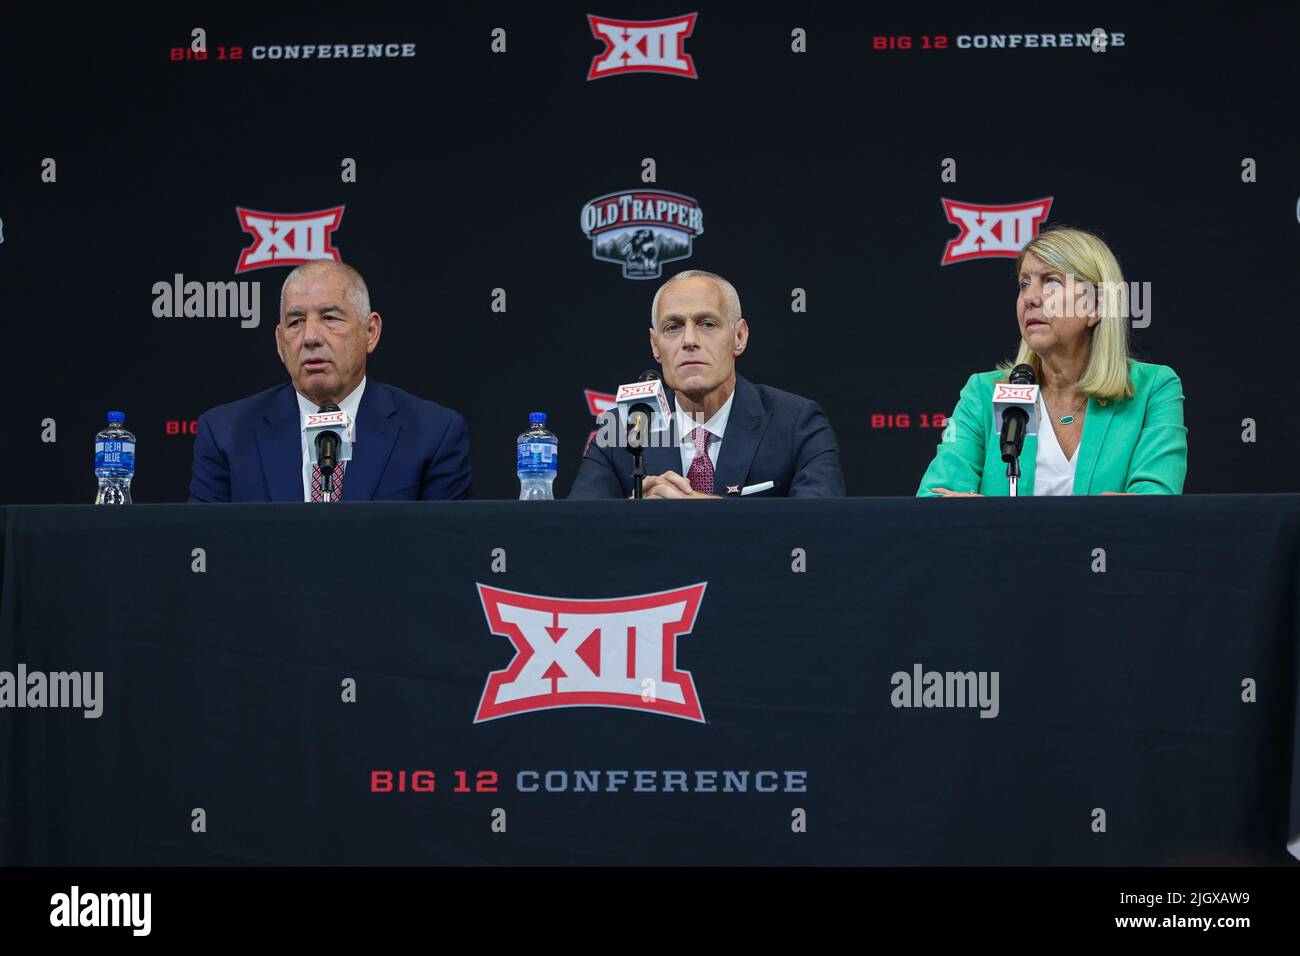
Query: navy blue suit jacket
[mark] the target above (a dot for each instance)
(771, 436)
(407, 449)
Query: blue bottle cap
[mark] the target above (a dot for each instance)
(117, 416)
(537, 418)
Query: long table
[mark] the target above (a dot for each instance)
(857, 681)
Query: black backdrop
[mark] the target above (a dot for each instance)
(816, 170)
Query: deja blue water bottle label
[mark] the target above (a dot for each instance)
(118, 455)
(534, 456)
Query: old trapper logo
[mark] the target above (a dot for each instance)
(642, 229)
(617, 652)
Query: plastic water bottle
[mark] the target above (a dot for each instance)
(114, 462)
(536, 457)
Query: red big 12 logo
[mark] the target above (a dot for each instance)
(288, 239)
(618, 652)
(642, 46)
(989, 231)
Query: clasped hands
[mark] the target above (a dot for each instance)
(670, 485)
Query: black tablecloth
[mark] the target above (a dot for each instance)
(1144, 714)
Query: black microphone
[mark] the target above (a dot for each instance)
(640, 415)
(1015, 421)
(327, 448)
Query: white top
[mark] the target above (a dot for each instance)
(307, 407)
(715, 426)
(1053, 472)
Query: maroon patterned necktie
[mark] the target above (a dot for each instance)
(318, 483)
(701, 474)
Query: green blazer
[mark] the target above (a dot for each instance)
(1137, 445)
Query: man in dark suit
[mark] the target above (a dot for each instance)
(728, 438)
(403, 447)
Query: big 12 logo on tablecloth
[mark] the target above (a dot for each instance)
(571, 652)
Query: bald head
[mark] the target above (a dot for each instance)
(730, 298)
(358, 296)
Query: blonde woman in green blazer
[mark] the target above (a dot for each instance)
(1107, 424)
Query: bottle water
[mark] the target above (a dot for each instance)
(536, 457)
(114, 462)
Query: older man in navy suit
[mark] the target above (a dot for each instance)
(256, 449)
(728, 438)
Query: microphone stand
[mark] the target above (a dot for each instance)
(636, 437)
(638, 471)
(636, 442)
(1012, 447)
(1015, 423)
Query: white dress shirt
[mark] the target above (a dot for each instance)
(1053, 472)
(307, 407)
(715, 426)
